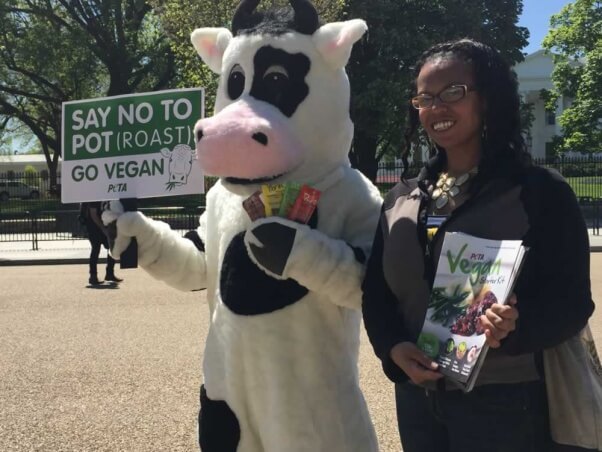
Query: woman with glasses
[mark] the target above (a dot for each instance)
(480, 181)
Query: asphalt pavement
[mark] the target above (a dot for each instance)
(118, 367)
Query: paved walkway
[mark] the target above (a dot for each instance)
(78, 251)
(117, 367)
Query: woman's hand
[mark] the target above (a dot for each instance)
(499, 320)
(417, 366)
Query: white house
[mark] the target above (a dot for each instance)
(19, 162)
(534, 74)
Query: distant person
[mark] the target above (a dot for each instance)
(97, 235)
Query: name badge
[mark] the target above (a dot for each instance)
(433, 223)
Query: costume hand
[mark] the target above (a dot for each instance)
(119, 236)
(499, 321)
(269, 242)
(417, 366)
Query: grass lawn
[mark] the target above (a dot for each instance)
(582, 186)
(586, 186)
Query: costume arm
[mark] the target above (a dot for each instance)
(382, 318)
(288, 250)
(329, 266)
(553, 290)
(163, 253)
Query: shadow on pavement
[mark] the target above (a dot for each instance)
(102, 286)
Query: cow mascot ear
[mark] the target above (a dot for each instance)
(335, 40)
(210, 44)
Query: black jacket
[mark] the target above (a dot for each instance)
(553, 289)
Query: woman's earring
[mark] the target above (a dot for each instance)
(484, 133)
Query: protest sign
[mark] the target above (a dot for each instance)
(131, 146)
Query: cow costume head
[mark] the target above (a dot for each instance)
(282, 105)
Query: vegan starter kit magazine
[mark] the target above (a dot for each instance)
(472, 274)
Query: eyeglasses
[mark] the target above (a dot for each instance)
(449, 95)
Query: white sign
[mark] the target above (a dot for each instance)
(133, 146)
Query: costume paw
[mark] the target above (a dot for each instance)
(269, 242)
(121, 226)
(111, 210)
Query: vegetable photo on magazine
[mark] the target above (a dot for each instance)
(472, 274)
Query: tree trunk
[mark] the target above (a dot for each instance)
(363, 156)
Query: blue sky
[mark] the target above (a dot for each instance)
(536, 17)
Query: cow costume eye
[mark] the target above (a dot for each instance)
(236, 82)
(276, 76)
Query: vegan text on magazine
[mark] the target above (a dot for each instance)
(472, 274)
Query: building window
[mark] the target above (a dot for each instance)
(550, 117)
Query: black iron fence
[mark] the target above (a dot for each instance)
(584, 174)
(31, 210)
(57, 225)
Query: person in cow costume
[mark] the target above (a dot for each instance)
(280, 363)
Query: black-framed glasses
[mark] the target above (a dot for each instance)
(449, 95)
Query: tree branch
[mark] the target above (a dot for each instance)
(9, 110)
(18, 92)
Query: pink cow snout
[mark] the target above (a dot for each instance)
(247, 141)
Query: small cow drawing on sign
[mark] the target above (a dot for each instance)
(280, 361)
(179, 164)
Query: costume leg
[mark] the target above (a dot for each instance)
(219, 430)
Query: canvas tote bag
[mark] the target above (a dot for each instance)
(573, 375)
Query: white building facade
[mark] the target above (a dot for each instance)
(18, 162)
(535, 74)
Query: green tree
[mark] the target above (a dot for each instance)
(399, 31)
(52, 51)
(575, 40)
(179, 20)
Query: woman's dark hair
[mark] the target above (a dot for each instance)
(503, 146)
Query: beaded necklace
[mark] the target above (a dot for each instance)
(448, 187)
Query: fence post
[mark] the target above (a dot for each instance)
(34, 230)
(596, 225)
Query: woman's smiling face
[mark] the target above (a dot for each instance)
(453, 126)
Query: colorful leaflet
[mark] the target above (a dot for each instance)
(272, 197)
(254, 206)
(290, 200)
(291, 191)
(305, 205)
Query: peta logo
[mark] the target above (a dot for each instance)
(180, 164)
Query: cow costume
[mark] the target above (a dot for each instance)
(280, 363)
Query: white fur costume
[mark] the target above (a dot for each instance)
(286, 374)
